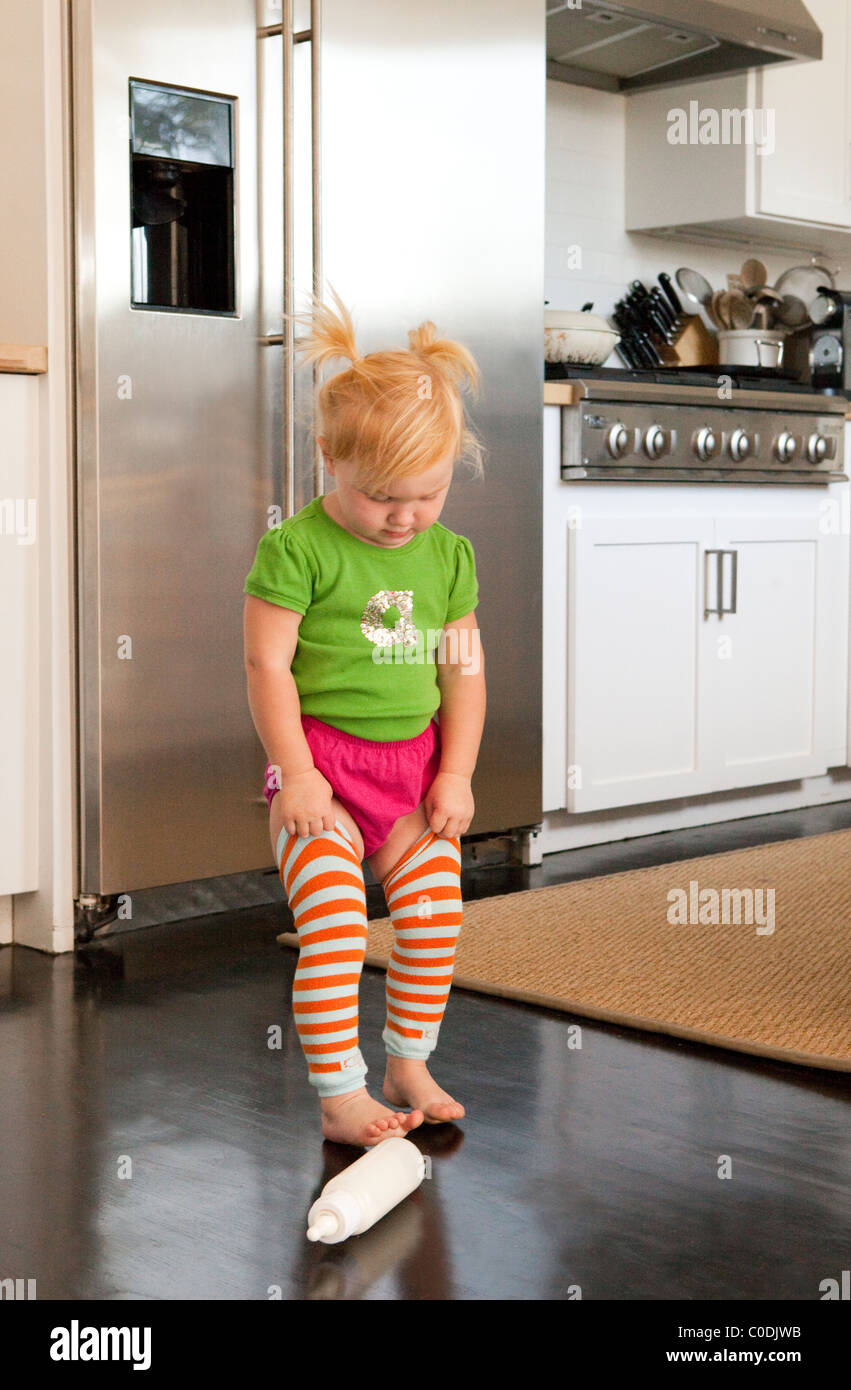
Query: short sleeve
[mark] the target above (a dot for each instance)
(465, 590)
(281, 572)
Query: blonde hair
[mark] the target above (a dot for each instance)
(396, 412)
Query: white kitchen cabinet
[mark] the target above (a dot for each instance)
(807, 176)
(20, 532)
(795, 191)
(768, 680)
(633, 664)
(667, 699)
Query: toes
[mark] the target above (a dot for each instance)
(446, 1110)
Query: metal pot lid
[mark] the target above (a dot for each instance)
(799, 286)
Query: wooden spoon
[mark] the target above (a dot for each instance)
(740, 310)
(753, 273)
(714, 309)
(724, 308)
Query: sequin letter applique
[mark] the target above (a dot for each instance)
(372, 622)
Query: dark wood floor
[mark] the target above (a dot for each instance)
(594, 1167)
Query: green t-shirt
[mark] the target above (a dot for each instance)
(365, 660)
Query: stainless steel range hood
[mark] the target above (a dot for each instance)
(657, 43)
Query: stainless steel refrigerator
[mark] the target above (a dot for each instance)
(227, 156)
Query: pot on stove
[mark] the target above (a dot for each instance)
(751, 347)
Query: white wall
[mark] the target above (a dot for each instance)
(585, 208)
(23, 236)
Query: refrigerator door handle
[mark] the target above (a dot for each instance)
(286, 339)
(288, 364)
(316, 172)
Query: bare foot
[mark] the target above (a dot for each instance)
(355, 1118)
(408, 1082)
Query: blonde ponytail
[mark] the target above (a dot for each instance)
(453, 358)
(331, 334)
(397, 412)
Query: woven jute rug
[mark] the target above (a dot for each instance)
(748, 950)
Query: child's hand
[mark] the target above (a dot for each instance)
(449, 804)
(306, 803)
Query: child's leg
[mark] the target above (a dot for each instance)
(423, 893)
(325, 889)
(324, 883)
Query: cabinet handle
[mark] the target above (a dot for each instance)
(734, 583)
(719, 582)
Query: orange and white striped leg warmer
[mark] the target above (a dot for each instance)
(324, 883)
(423, 893)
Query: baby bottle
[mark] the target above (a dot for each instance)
(365, 1191)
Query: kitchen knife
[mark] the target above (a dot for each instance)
(663, 307)
(651, 320)
(648, 350)
(654, 316)
(626, 351)
(673, 299)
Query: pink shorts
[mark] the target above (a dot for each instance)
(376, 782)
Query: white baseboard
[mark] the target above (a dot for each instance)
(563, 831)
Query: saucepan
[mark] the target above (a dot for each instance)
(751, 347)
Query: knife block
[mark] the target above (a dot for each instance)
(695, 346)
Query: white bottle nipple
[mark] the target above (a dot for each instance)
(326, 1224)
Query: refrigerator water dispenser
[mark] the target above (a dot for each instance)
(182, 179)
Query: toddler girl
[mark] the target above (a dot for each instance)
(359, 627)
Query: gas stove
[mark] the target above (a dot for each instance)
(708, 425)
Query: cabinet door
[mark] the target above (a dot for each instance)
(19, 630)
(635, 604)
(770, 665)
(807, 174)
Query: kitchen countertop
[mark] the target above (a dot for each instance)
(27, 358)
(560, 393)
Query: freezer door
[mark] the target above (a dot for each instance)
(433, 143)
(174, 472)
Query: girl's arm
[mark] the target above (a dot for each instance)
(270, 639)
(461, 680)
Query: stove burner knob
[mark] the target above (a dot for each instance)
(786, 447)
(657, 442)
(741, 445)
(618, 441)
(819, 447)
(706, 443)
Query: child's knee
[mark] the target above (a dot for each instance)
(341, 814)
